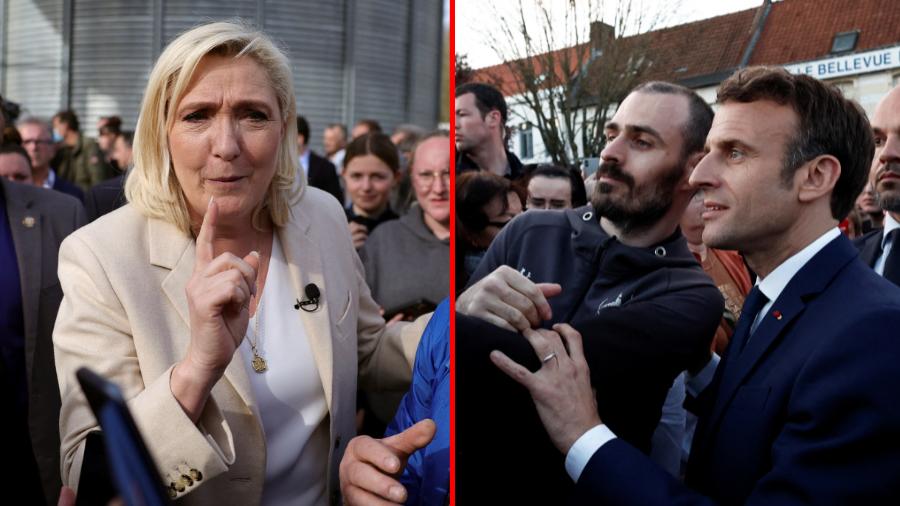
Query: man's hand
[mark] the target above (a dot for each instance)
(369, 466)
(508, 299)
(561, 388)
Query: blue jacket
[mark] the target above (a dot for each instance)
(807, 413)
(427, 474)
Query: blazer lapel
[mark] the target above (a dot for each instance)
(304, 260)
(811, 280)
(872, 248)
(25, 225)
(171, 249)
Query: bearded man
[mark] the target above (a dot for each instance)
(619, 271)
(879, 249)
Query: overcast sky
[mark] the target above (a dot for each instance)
(473, 22)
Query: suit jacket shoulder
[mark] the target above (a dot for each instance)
(61, 185)
(323, 175)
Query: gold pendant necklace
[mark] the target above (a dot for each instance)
(259, 364)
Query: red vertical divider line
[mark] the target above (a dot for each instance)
(451, 61)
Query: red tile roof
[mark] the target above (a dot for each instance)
(801, 30)
(794, 31)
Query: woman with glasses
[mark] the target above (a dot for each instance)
(485, 203)
(407, 260)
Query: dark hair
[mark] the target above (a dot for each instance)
(376, 144)
(474, 190)
(303, 128)
(13, 148)
(700, 114)
(113, 125)
(487, 99)
(69, 118)
(578, 194)
(829, 124)
(372, 124)
(128, 137)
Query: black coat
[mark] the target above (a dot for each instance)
(323, 176)
(645, 314)
(105, 197)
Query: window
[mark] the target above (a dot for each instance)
(844, 42)
(526, 143)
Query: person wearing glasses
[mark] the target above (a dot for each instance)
(401, 253)
(485, 203)
(38, 142)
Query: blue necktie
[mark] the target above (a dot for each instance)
(752, 304)
(892, 262)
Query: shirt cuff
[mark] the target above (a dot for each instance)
(584, 448)
(696, 384)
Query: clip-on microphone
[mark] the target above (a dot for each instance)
(312, 296)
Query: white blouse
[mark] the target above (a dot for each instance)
(289, 394)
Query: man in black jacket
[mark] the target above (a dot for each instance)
(880, 249)
(620, 271)
(319, 171)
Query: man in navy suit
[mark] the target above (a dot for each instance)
(803, 407)
(878, 249)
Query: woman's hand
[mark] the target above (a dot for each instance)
(218, 294)
(358, 233)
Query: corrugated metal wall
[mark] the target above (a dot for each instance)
(352, 59)
(31, 71)
(380, 84)
(315, 43)
(112, 43)
(424, 77)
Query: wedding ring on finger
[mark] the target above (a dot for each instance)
(550, 357)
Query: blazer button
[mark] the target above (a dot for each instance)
(196, 475)
(337, 442)
(179, 485)
(187, 479)
(172, 492)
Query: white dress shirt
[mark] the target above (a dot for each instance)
(772, 286)
(289, 394)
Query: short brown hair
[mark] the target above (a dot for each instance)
(829, 125)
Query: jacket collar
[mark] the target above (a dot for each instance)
(810, 281)
(174, 250)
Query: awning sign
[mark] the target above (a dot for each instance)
(851, 64)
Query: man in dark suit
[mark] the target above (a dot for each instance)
(802, 409)
(879, 249)
(33, 222)
(319, 171)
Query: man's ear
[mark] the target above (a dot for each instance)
(493, 118)
(817, 178)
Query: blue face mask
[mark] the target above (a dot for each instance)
(57, 137)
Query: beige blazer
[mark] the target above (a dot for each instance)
(125, 315)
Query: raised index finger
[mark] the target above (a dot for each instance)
(205, 237)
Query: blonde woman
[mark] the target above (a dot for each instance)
(190, 296)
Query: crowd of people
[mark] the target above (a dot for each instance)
(707, 318)
(231, 282)
(714, 325)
